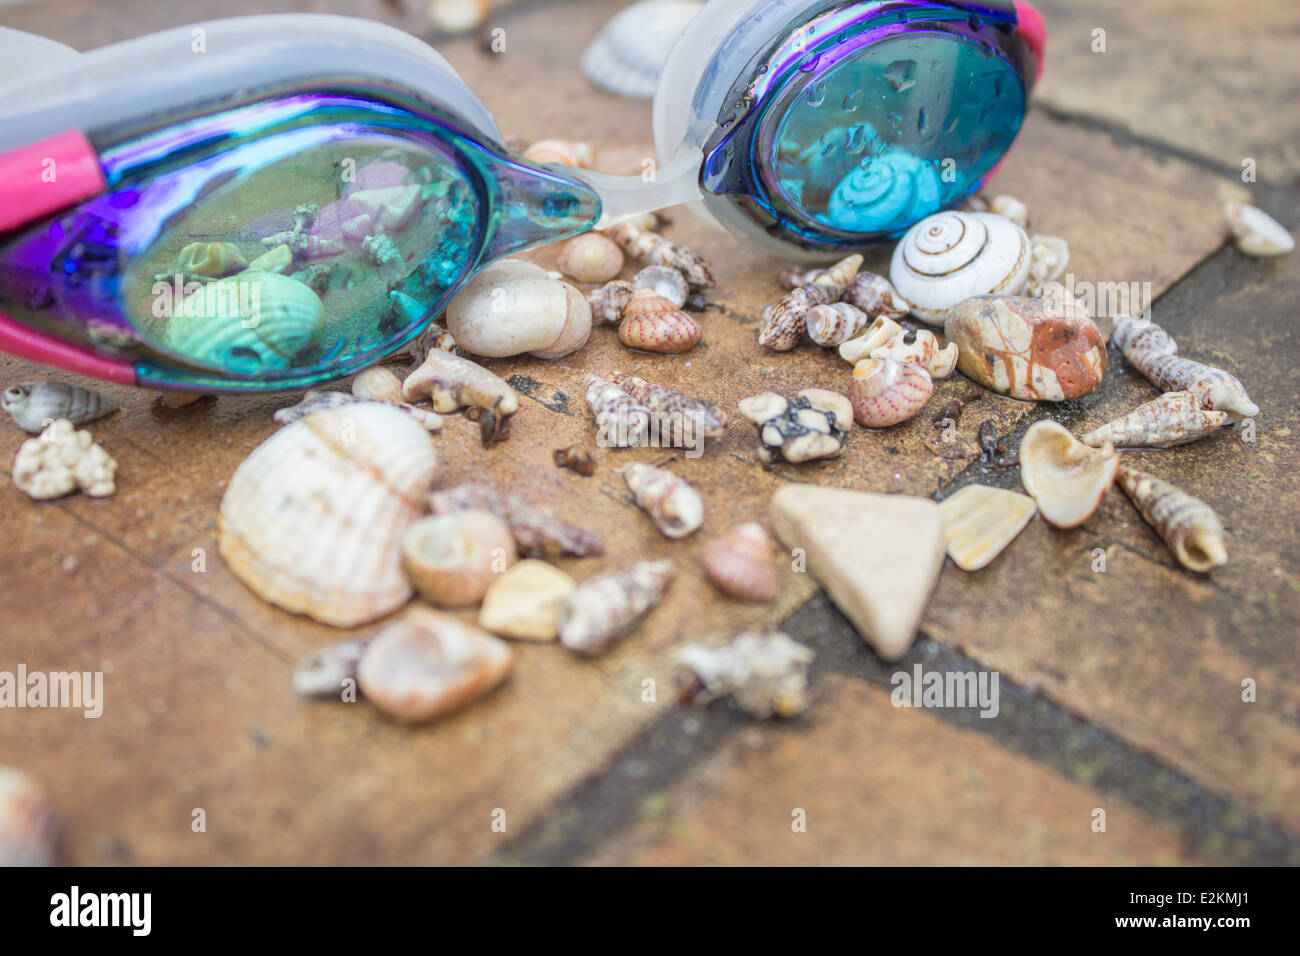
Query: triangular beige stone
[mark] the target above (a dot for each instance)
(878, 556)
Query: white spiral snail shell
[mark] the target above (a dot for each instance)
(951, 256)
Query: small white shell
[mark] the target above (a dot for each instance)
(378, 384)
(1256, 232)
(664, 281)
(453, 559)
(673, 505)
(525, 602)
(879, 332)
(628, 54)
(1048, 257)
(1067, 478)
(1012, 208)
(951, 256)
(509, 309)
(591, 258)
(313, 519)
(923, 350)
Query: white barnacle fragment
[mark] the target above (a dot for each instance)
(766, 673)
(813, 424)
(672, 504)
(606, 607)
(61, 460)
(325, 672)
(452, 382)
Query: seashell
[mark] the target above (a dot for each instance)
(766, 674)
(62, 460)
(653, 324)
(923, 350)
(525, 602)
(609, 301)
(1048, 257)
(459, 16)
(378, 384)
(876, 296)
(452, 382)
(453, 558)
(591, 258)
(34, 405)
(628, 54)
(429, 664)
(979, 522)
(835, 323)
(951, 256)
(885, 391)
(792, 277)
(325, 672)
(653, 249)
(664, 281)
(575, 459)
(1012, 208)
(742, 564)
(894, 185)
(564, 152)
(536, 531)
(1034, 349)
(1256, 232)
(620, 421)
(813, 424)
(783, 324)
(29, 823)
(383, 252)
(174, 399)
(881, 331)
(390, 208)
(707, 419)
(1175, 418)
(1067, 478)
(313, 519)
(606, 607)
(247, 323)
(1152, 352)
(210, 259)
(313, 401)
(974, 203)
(277, 260)
(1188, 525)
(507, 311)
(672, 504)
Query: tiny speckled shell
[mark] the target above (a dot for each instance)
(884, 391)
(653, 324)
(979, 522)
(673, 505)
(783, 325)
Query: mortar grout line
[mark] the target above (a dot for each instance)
(608, 801)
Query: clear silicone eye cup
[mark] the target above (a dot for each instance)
(243, 217)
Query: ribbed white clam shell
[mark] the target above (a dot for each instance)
(313, 519)
(628, 54)
(951, 256)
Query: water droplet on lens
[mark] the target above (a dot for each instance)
(852, 100)
(816, 94)
(809, 63)
(920, 119)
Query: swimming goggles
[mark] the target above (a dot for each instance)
(268, 202)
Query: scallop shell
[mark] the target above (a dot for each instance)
(313, 519)
(672, 504)
(29, 823)
(1067, 478)
(885, 391)
(429, 664)
(742, 564)
(979, 522)
(628, 54)
(34, 405)
(1256, 232)
(1175, 418)
(606, 607)
(951, 256)
(1188, 525)
(452, 559)
(591, 258)
(880, 331)
(653, 324)
(509, 309)
(1151, 350)
(251, 322)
